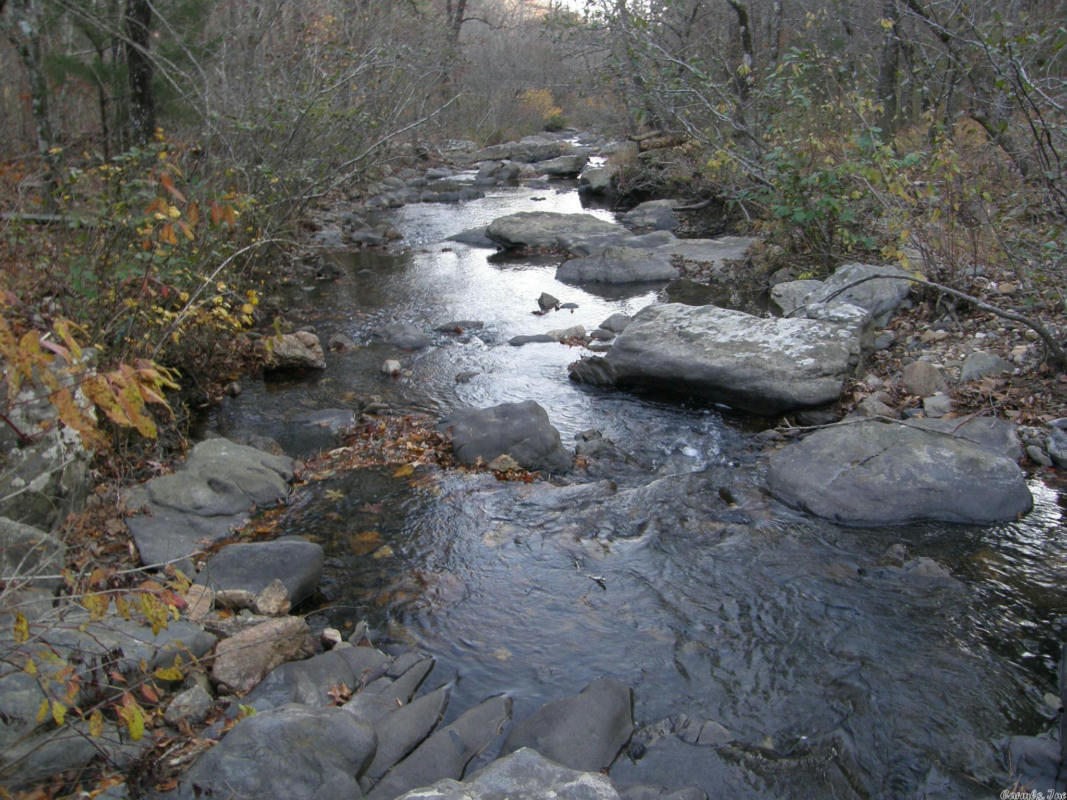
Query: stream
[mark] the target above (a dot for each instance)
(831, 670)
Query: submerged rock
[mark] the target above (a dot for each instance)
(875, 472)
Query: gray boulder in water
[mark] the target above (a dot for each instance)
(582, 732)
(765, 366)
(877, 473)
(520, 430)
(618, 265)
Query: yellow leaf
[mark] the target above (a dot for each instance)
(404, 471)
(133, 716)
(59, 712)
(22, 628)
(96, 724)
(122, 606)
(31, 667)
(62, 327)
(96, 604)
(169, 674)
(43, 709)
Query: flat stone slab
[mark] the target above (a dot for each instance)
(875, 472)
(712, 252)
(544, 229)
(766, 366)
(619, 265)
(213, 492)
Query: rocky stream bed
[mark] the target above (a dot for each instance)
(590, 562)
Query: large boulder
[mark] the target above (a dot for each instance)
(310, 681)
(583, 732)
(875, 472)
(618, 265)
(765, 366)
(294, 752)
(712, 254)
(543, 229)
(520, 430)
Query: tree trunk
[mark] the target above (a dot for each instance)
(742, 77)
(138, 21)
(888, 68)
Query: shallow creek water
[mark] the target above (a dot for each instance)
(833, 673)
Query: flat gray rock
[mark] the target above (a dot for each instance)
(618, 265)
(714, 253)
(792, 295)
(213, 492)
(383, 696)
(765, 366)
(524, 774)
(252, 566)
(521, 430)
(448, 751)
(584, 732)
(875, 472)
(289, 753)
(543, 229)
